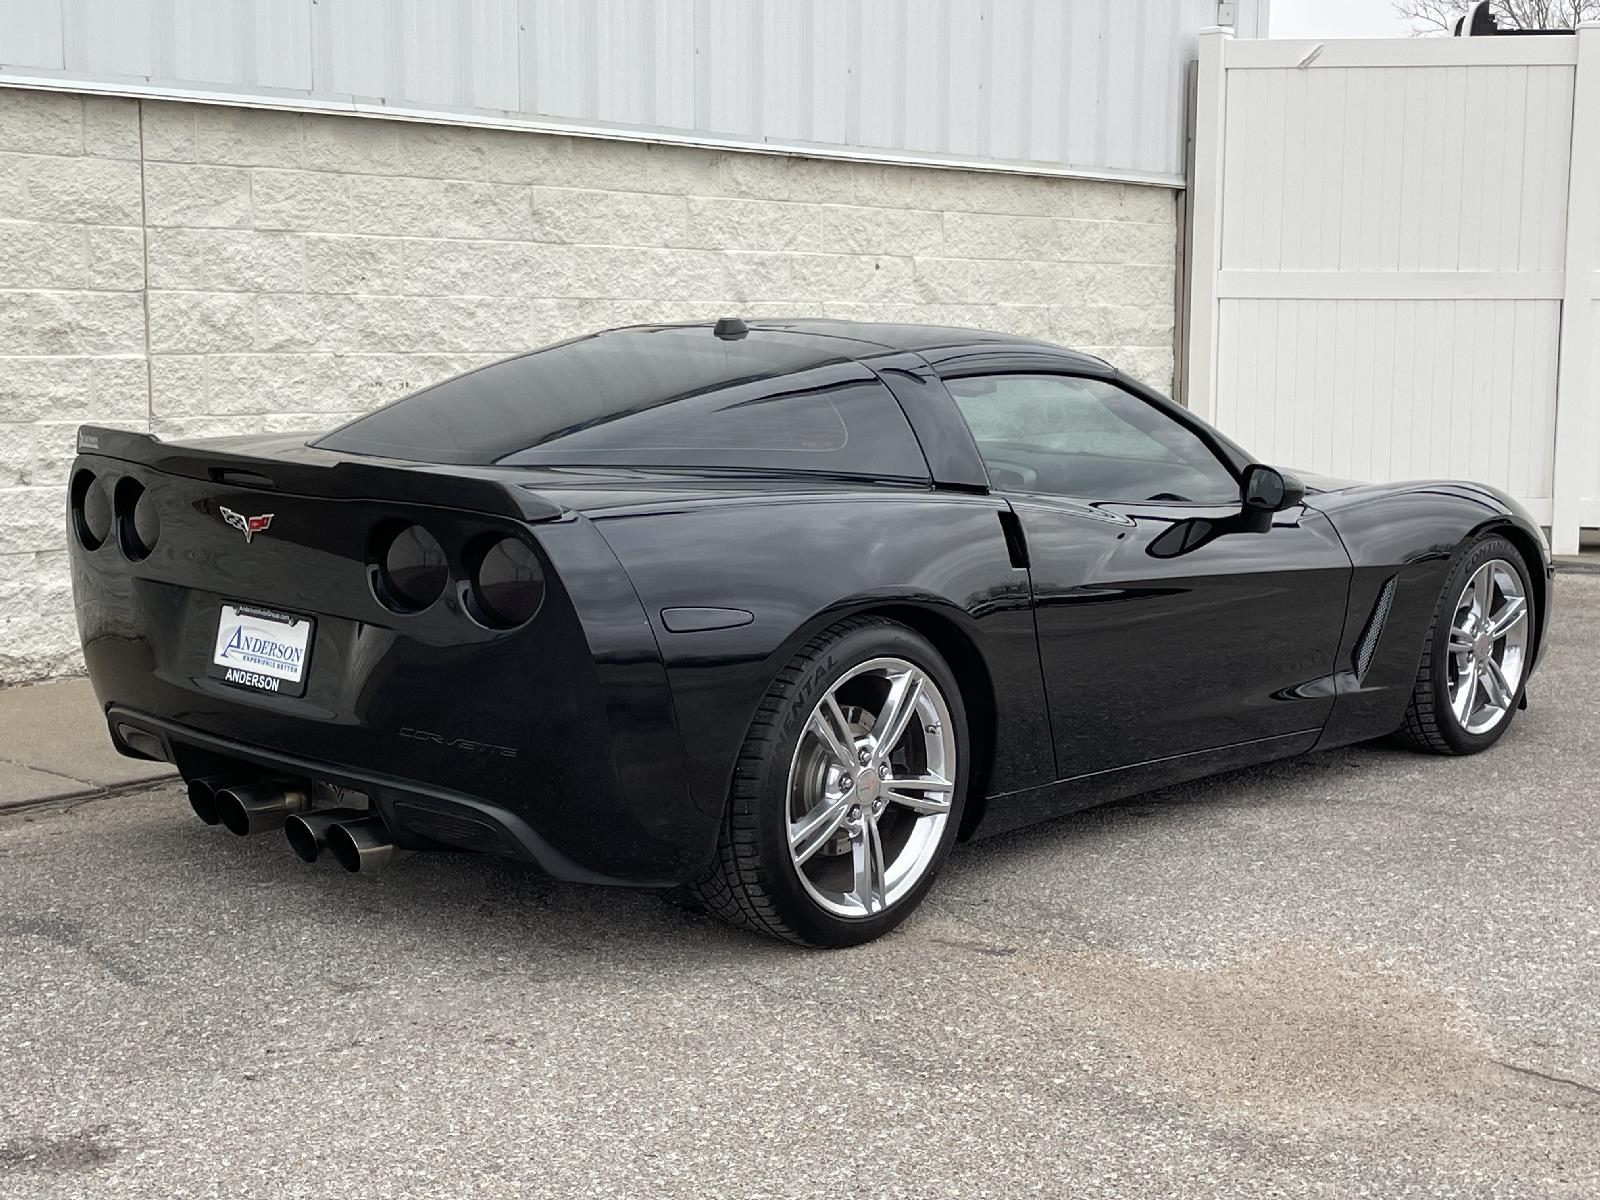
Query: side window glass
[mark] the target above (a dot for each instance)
(1088, 439)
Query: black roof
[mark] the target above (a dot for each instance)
(650, 393)
(867, 339)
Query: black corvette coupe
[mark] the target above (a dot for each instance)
(776, 612)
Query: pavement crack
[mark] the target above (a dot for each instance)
(978, 947)
(74, 937)
(65, 802)
(86, 1148)
(1548, 1078)
(28, 766)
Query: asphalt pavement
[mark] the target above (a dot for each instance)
(1362, 974)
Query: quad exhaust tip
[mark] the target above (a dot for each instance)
(357, 840)
(308, 831)
(247, 808)
(203, 796)
(361, 845)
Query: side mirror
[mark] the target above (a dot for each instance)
(1269, 490)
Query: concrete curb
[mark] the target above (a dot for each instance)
(1578, 564)
(12, 808)
(54, 748)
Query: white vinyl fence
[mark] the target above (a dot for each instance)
(1395, 267)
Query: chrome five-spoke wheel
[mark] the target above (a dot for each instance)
(870, 787)
(1488, 646)
(849, 790)
(1480, 646)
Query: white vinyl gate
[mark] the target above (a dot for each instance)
(1395, 261)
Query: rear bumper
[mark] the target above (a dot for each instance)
(418, 816)
(554, 742)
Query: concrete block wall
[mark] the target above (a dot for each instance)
(72, 341)
(197, 270)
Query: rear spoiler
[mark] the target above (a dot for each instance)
(310, 472)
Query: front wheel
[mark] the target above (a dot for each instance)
(848, 791)
(1475, 662)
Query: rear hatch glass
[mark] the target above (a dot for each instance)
(668, 396)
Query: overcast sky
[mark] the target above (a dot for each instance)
(1335, 19)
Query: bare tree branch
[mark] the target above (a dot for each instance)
(1430, 17)
(1427, 16)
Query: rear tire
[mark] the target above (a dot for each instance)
(827, 852)
(1475, 661)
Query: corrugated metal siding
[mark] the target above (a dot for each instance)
(1089, 85)
(31, 35)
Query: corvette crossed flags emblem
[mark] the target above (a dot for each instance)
(249, 526)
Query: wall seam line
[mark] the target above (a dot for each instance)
(144, 282)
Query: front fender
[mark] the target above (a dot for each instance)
(1412, 533)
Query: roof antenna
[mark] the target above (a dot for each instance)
(730, 329)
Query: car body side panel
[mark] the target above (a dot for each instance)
(1151, 649)
(800, 565)
(1411, 533)
(636, 754)
(1020, 809)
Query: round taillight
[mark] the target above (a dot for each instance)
(412, 569)
(91, 510)
(507, 584)
(138, 522)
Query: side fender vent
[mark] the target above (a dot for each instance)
(1368, 645)
(1016, 543)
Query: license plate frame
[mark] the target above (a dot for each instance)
(261, 649)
